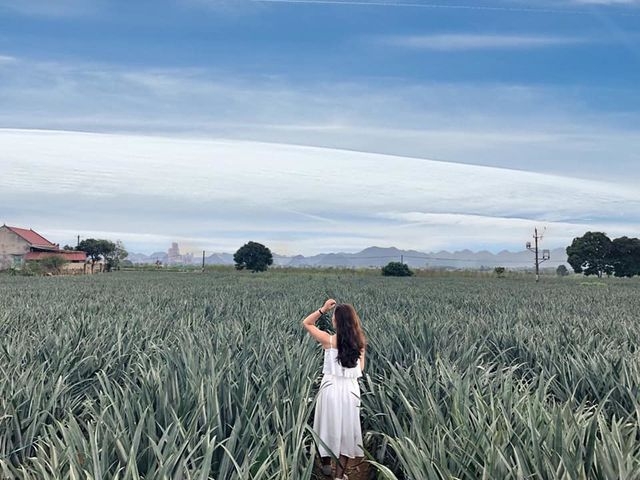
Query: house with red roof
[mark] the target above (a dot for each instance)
(19, 245)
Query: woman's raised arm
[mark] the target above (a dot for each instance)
(310, 323)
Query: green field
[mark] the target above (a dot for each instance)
(182, 375)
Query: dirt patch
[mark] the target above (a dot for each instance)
(357, 469)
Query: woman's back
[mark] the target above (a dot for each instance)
(332, 365)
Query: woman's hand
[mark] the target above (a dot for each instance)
(328, 305)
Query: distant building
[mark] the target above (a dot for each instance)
(174, 257)
(19, 245)
(173, 254)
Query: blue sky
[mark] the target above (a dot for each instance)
(544, 88)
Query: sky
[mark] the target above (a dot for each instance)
(317, 126)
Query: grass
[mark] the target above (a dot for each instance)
(161, 376)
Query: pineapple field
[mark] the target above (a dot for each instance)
(160, 375)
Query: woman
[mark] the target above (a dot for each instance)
(337, 415)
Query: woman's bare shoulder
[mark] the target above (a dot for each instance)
(331, 342)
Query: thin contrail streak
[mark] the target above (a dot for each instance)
(383, 3)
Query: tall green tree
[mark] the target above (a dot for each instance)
(253, 256)
(625, 256)
(97, 249)
(591, 254)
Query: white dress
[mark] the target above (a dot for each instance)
(337, 415)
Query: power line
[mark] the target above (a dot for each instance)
(426, 257)
(402, 256)
(486, 8)
(462, 259)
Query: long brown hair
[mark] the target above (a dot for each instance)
(349, 335)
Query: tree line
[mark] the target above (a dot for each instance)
(100, 249)
(596, 254)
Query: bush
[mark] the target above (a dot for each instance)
(53, 264)
(32, 269)
(396, 269)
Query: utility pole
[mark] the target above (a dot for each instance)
(401, 258)
(535, 249)
(203, 260)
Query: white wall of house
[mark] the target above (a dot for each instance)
(12, 248)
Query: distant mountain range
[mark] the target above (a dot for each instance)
(375, 257)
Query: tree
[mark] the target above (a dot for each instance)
(562, 271)
(253, 256)
(625, 256)
(115, 257)
(396, 269)
(591, 254)
(97, 249)
(499, 271)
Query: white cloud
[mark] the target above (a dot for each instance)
(496, 229)
(459, 42)
(531, 128)
(306, 200)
